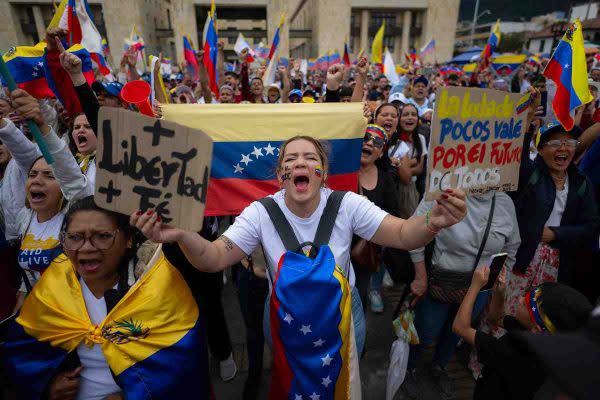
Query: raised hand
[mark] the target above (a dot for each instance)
(51, 35)
(27, 107)
(335, 75)
(65, 385)
(150, 225)
(69, 61)
(362, 66)
(450, 208)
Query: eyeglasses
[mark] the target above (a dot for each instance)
(73, 241)
(570, 143)
(377, 141)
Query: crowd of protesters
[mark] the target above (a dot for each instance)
(549, 228)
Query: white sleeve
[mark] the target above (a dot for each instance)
(245, 230)
(364, 215)
(23, 150)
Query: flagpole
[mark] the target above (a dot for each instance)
(35, 130)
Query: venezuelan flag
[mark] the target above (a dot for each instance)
(334, 58)
(101, 63)
(523, 103)
(492, 43)
(210, 55)
(275, 43)
(312, 64)
(377, 46)
(246, 141)
(190, 56)
(346, 57)
(568, 69)
(507, 64)
(152, 339)
(311, 351)
(26, 65)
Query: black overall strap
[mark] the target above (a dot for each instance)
(486, 233)
(328, 218)
(281, 224)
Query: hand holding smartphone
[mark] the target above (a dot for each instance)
(496, 263)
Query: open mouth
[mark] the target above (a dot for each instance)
(561, 158)
(301, 182)
(387, 126)
(36, 196)
(367, 151)
(82, 139)
(89, 265)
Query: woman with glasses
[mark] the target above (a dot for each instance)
(89, 330)
(556, 212)
(376, 184)
(48, 188)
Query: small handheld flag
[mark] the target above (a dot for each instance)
(568, 69)
(523, 103)
(39, 139)
(492, 43)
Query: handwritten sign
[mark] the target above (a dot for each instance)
(476, 141)
(145, 163)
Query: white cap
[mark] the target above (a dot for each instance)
(398, 96)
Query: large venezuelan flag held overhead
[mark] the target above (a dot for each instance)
(152, 339)
(246, 145)
(568, 69)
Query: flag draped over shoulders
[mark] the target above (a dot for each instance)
(152, 339)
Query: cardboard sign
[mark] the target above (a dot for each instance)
(476, 141)
(145, 163)
(425, 71)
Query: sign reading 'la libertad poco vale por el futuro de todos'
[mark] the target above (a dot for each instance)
(476, 141)
(146, 163)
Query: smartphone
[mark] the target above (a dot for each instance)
(544, 102)
(496, 263)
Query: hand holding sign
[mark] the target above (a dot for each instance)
(150, 224)
(450, 208)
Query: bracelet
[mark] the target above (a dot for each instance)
(431, 229)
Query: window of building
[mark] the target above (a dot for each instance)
(390, 26)
(542, 43)
(231, 40)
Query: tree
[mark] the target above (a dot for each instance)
(512, 42)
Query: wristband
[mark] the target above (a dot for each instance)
(430, 227)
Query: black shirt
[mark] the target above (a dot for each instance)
(509, 372)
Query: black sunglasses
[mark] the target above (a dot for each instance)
(377, 141)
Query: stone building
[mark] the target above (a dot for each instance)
(312, 28)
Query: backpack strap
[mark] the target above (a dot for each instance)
(328, 218)
(282, 226)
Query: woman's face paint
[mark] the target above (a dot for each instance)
(287, 174)
(319, 170)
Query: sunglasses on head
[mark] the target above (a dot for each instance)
(377, 140)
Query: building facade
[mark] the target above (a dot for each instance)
(312, 27)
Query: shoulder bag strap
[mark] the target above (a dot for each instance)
(282, 225)
(486, 233)
(328, 218)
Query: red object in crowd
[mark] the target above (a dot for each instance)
(138, 93)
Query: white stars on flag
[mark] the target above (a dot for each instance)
(315, 396)
(237, 168)
(246, 159)
(326, 381)
(288, 318)
(298, 397)
(567, 66)
(257, 152)
(305, 329)
(326, 360)
(41, 63)
(319, 343)
(270, 149)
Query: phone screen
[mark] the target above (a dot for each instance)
(544, 102)
(496, 263)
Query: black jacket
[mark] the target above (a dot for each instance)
(534, 201)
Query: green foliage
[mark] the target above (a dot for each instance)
(512, 43)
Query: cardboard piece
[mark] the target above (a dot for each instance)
(145, 163)
(476, 141)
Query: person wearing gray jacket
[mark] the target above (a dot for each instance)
(46, 192)
(455, 250)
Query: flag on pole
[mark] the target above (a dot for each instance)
(428, 48)
(389, 68)
(377, 46)
(506, 66)
(210, 55)
(492, 43)
(275, 43)
(261, 50)
(568, 69)
(346, 55)
(189, 53)
(240, 45)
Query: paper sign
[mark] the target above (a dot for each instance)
(426, 71)
(476, 141)
(145, 163)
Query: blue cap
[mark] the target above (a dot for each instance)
(112, 88)
(296, 92)
(179, 77)
(421, 79)
(554, 127)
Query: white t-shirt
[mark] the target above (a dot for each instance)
(402, 148)
(40, 247)
(96, 381)
(357, 215)
(560, 201)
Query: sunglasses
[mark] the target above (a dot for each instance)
(570, 143)
(377, 141)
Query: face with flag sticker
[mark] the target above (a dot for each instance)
(557, 146)
(83, 135)
(302, 168)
